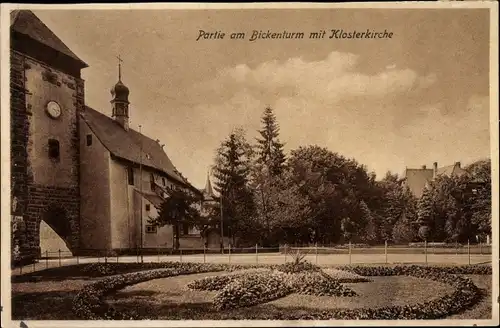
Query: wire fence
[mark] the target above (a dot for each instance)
(319, 255)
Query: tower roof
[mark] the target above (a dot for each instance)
(27, 23)
(208, 192)
(120, 92)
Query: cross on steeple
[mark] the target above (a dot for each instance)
(120, 60)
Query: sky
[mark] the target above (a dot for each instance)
(417, 98)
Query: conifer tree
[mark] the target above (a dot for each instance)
(231, 173)
(425, 212)
(269, 148)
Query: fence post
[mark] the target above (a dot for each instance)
(46, 259)
(204, 253)
(229, 250)
(316, 251)
(180, 254)
(117, 257)
(286, 247)
(350, 253)
(385, 250)
(158, 254)
(257, 253)
(59, 257)
(425, 250)
(480, 248)
(468, 249)
(77, 258)
(34, 265)
(456, 248)
(106, 256)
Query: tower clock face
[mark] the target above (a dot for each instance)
(53, 109)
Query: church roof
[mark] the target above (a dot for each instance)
(27, 23)
(126, 144)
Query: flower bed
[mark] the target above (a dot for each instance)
(214, 283)
(291, 267)
(88, 303)
(263, 287)
(251, 290)
(344, 276)
(254, 288)
(318, 284)
(465, 295)
(403, 269)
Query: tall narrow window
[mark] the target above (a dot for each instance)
(152, 181)
(54, 152)
(89, 140)
(163, 181)
(130, 174)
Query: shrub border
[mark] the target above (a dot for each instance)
(89, 303)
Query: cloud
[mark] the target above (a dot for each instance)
(382, 119)
(437, 136)
(332, 79)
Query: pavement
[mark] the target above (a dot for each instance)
(273, 258)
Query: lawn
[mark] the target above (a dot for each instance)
(45, 300)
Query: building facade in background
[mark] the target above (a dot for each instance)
(417, 179)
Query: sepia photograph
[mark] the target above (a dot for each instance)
(249, 164)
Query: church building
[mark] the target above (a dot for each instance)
(90, 177)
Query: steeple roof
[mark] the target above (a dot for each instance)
(208, 192)
(27, 23)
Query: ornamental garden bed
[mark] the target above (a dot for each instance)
(160, 291)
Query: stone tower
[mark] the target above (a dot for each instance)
(47, 95)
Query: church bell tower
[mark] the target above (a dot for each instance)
(120, 102)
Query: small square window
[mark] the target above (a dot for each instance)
(148, 207)
(151, 229)
(54, 152)
(89, 140)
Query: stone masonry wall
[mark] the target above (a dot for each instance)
(35, 202)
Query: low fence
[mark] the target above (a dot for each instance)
(320, 255)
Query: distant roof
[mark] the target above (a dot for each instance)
(416, 179)
(127, 144)
(450, 170)
(27, 23)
